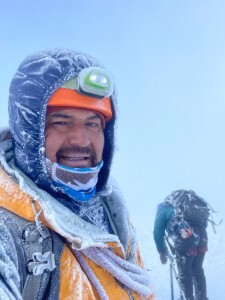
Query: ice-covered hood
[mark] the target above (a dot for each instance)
(36, 79)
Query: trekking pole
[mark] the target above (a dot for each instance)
(171, 283)
(173, 270)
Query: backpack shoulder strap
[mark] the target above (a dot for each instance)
(40, 259)
(37, 244)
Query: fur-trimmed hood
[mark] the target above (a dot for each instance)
(36, 79)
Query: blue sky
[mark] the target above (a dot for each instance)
(168, 61)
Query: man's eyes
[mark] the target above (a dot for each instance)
(89, 124)
(60, 123)
(93, 124)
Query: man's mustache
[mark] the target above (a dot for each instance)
(75, 150)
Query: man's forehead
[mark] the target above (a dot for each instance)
(71, 112)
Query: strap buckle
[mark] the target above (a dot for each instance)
(41, 262)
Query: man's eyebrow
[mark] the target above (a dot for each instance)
(66, 116)
(60, 115)
(94, 117)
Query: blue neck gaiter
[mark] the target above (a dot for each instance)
(78, 183)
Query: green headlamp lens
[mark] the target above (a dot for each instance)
(92, 81)
(95, 81)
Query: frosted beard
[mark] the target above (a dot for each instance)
(79, 183)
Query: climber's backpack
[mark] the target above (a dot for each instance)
(192, 209)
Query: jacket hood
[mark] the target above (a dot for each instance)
(36, 79)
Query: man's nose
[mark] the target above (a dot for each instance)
(79, 136)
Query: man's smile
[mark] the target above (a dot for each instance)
(76, 157)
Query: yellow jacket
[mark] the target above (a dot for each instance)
(19, 195)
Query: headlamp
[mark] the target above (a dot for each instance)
(90, 89)
(92, 81)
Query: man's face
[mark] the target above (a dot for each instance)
(74, 137)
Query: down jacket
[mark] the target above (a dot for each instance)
(162, 224)
(88, 263)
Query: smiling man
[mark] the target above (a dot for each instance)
(64, 227)
(74, 137)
